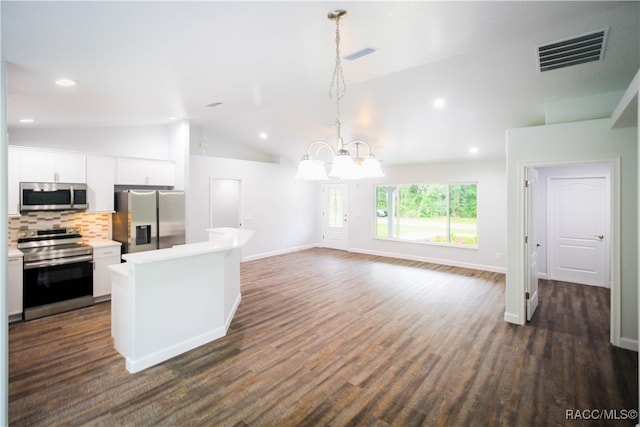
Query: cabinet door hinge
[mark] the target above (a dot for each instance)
(526, 295)
(526, 239)
(526, 183)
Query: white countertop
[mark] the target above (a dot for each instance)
(228, 239)
(229, 236)
(101, 243)
(179, 251)
(15, 253)
(121, 269)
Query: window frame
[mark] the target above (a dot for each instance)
(448, 243)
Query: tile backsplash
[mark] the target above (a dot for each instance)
(92, 225)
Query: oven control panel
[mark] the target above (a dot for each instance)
(35, 233)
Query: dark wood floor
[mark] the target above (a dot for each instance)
(326, 337)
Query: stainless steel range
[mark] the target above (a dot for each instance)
(58, 271)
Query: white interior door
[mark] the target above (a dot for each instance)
(531, 224)
(577, 225)
(335, 208)
(224, 203)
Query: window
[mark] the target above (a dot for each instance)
(335, 207)
(428, 213)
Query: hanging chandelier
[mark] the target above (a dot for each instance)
(346, 164)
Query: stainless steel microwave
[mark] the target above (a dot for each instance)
(52, 196)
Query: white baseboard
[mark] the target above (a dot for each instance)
(167, 353)
(232, 313)
(439, 261)
(103, 298)
(278, 252)
(15, 317)
(628, 344)
(513, 318)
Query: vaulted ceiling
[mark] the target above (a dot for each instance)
(269, 65)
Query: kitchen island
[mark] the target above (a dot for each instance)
(169, 301)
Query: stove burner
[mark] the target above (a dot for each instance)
(52, 244)
(55, 252)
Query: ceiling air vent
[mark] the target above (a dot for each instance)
(360, 53)
(573, 51)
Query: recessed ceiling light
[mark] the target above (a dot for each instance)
(65, 82)
(438, 103)
(473, 150)
(263, 135)
(173, 118)
(27, 120)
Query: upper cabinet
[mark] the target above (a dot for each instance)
(13, 181)
(50, 166)
(35, 165)
(145, 172)
(101, 172)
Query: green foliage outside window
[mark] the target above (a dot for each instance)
(437, 213)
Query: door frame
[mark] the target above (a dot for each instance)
(614, 232)
(532, 231)
(240, 204)
(346, 217)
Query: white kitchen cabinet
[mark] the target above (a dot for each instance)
(104, 255)
(145, 172)
(52, 166)
(13, 181)
(101, 178)
(14, 288)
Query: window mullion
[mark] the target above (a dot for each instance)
(448, 214)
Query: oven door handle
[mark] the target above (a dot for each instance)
(60, 261)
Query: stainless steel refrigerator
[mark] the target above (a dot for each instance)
(145, 220)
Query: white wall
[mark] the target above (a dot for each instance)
(637, 106)
(206, 142)
(579, 142)
(179, 152)
(4, 318)
(589, 107)
(151, 142)
(490, 177)
(282, 210)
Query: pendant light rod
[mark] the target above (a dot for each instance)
(343, 166)
(338, 87)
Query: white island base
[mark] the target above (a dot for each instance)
(169, 301)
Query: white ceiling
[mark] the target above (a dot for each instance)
(270, 63)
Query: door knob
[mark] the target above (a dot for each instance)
(599, 236)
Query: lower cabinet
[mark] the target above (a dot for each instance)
(104, 256)
(14, 288)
